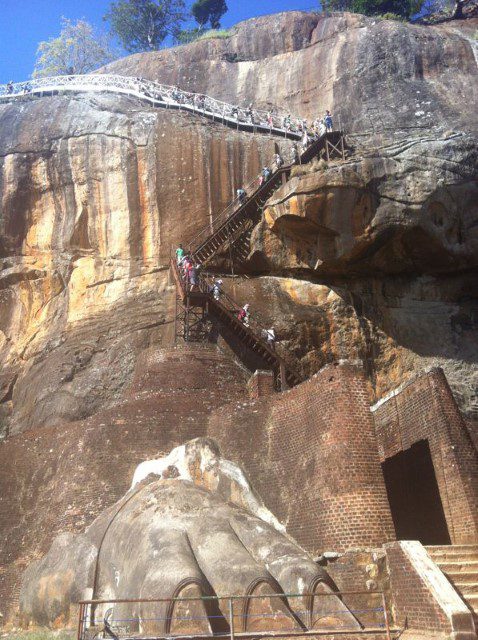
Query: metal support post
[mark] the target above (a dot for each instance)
(80, 622)
(231, 618)
(283, 382)
(186, 320)
(385, 616)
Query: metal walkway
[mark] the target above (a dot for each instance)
(159, 95)
(194, 309)
(237, 220)
(230, 229)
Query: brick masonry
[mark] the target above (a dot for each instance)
(365, 571)
(261, 384)
(424, 409)
(311, 453)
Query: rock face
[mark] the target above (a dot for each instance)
(381, 77)
(92, 202)
(59, 479)
(372, 259)
(96, 189)
(189, 539)
(408, 208)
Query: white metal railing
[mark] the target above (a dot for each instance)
(160, 95)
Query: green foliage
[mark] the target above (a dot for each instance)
(391, 16)
(215, 33)
(209, 11)
(338, 5)
(142, 25)
(401, 8)
(185, 36)
(78, 49)
(393, 9)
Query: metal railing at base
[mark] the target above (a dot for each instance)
(237, 616)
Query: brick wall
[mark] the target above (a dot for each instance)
(424, 409)
(261, 384)
(59, 479)
(311, 453)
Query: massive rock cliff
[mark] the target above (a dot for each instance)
(372, 259)
(95, 192)
(375, 257)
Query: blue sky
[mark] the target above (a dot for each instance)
(26, 22)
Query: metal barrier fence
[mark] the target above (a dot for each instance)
(259, 615)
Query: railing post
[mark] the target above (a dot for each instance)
(80, 622)
(283, 382)
(231, 618)
(385, 616)
(176, 316)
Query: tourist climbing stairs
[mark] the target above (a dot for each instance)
(236, 222)
(230, 232)
(459, 562)
(196, 305)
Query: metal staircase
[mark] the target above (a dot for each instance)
(231, 230)
(237, 223)
(196, 307)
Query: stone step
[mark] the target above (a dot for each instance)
(451, 547)
(463, 577)
(472, 601)
(466, 588)
(450, 556)
(458, 567)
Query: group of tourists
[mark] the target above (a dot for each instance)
(189, 272)
(251, 116)
(202, 102)
(244, 315)
(187, 268)
(22, 88)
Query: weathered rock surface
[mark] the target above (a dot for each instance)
(94, 192)
(411, 207)
(59, 479)
(371, 260)
(381, 77)
(393, 326)
(173, 537)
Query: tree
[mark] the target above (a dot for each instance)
(401, 8)
(142, 25)
(211, 11)
(185, 36)
(78, 49)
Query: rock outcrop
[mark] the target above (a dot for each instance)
(96, 189)
(377, 76)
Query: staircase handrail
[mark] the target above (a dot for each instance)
(231, 208)
(157, 93)
(257, 328)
